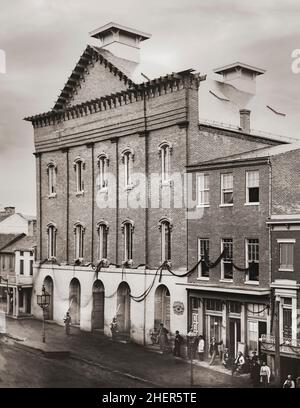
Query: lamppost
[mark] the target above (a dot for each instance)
(277, 340)
(43, 301)
(192, 340)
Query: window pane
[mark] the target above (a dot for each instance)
(203, 250)
(253, 195)
(253, 179)
(287, 323)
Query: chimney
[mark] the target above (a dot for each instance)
(123, 42)
(32, 228)
(9, 210)
(245, 120)
(241, 76)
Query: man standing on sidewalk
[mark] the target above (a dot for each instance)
(68, 321)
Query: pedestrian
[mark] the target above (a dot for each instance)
(163, 338)
(177, 344)
(154, 336)
(239, 363)
(226, 359)
(265, 374)
(191, 341)
(255, 372)
(68, 322)
(289, 383)
(214, 350)
(201, 347)
(114, 329)
(298, 382)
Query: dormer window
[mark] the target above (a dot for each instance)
(127, 159)
(103, 163)
(79, 240)
(165, 150)
(51, 170)
(79, 166)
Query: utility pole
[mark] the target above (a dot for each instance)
(277, 341)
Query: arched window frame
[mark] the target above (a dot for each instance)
(52, 235)
(165, 150)
(127, 158)
(79, 231)
(79, 166)
(51, 171)
(166, 227)
(103, 164)
(102, 230)
(127, 230)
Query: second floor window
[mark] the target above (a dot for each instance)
(286, 250)
(203, 250)
(165, 241)
(226, 265)
(252, 187)
(79, 167)
(102, 172)
(128, 240)
(203, 189)
(21, 266)
(127, 159)
(79, 240)
(51, 241)
(51, 179)
(252, 257)
(287, 318)
(165, 155)
(227, 188)
(102, 235)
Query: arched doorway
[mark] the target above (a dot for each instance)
(98, 306)
(48, 283)
(74, 299)
(162, 307)
(123, 310)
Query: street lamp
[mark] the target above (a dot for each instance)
(277, 340)
(43, 301)
(192, 340)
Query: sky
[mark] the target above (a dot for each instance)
(43, 40)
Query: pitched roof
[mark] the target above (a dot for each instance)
(8, 239)
(220, 103)
(3, 216)
(25, 243)
(261, 153)
(91, 54)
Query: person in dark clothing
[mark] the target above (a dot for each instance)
(163, 338)
(177, 344)
(214, 349)
(67, 321)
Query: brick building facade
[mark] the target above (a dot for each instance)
(93, 150)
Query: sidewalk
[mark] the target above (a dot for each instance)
(130, 359)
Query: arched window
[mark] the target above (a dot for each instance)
(79, 240)
(127, 159)
(165, 150)
(128, 227)
(103, 163)
(79, 166)
(51, 170)
(102, 240)
(165, 230)
(51, 231)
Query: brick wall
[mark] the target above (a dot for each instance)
(287, 234)
(239, 222)
(285, 183)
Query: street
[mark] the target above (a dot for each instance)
(95, 362)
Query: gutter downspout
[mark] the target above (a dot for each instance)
(146, 213)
